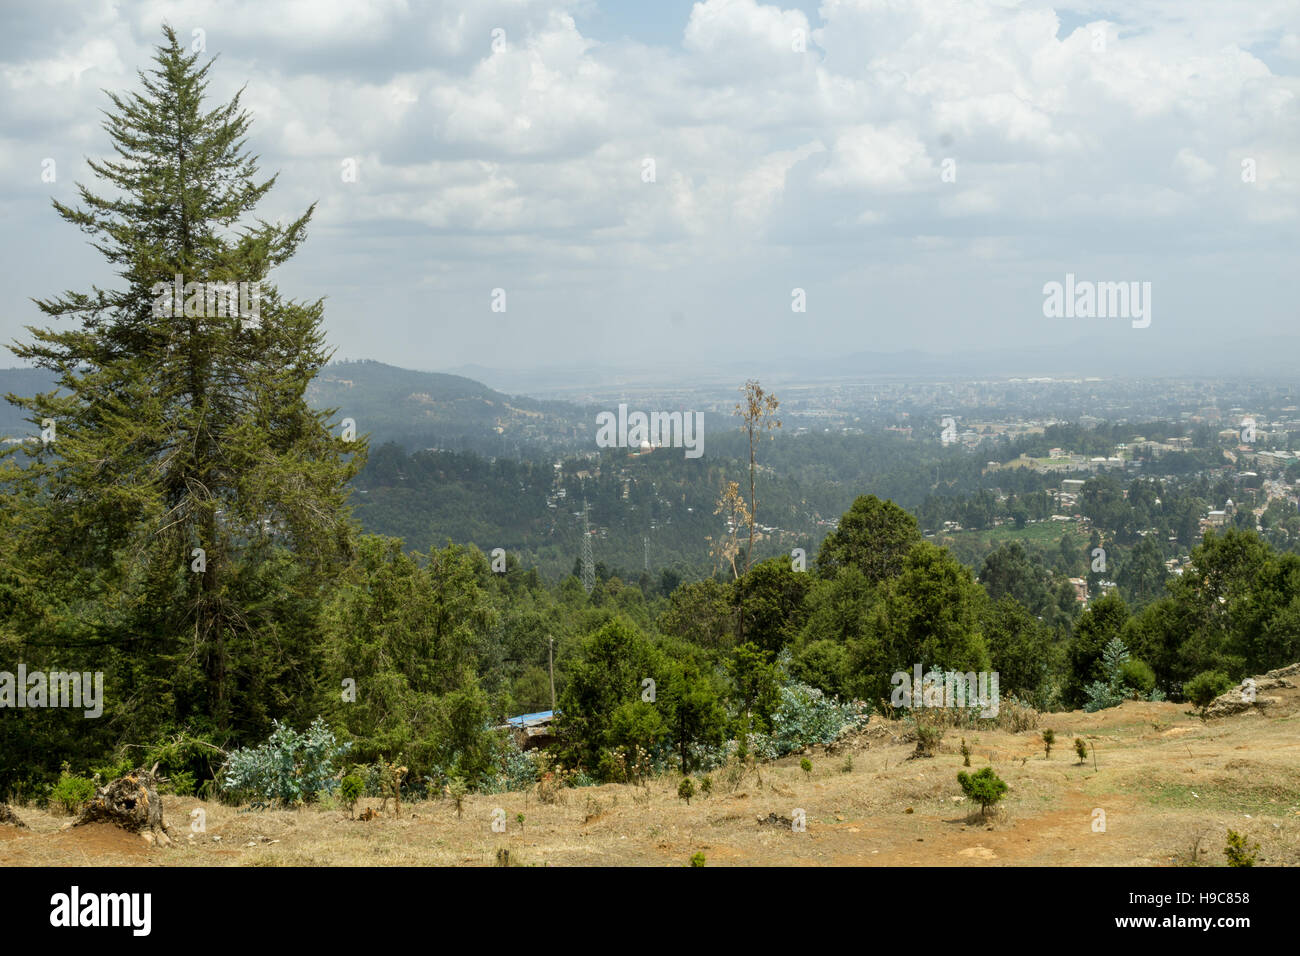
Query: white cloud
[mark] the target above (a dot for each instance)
(535, 152)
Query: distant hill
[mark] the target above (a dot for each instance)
(412, 409)
(436, 410)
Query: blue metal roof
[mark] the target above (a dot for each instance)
(523, 719)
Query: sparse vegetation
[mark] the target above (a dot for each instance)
(1049, 738)
(686, 790)
(1080, 749)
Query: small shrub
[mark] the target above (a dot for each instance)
(806, 766)
(181, 783)
(965, 753)
(1049, 738)
(1080, 749)
(686, 790)
(706, 786)
(983, 787)
(697, 859)
(733, 772)
(1238, 852)
(71, 791)
(351, 788)
(112, 771)
(548, 787)
(457, 790)
(1016, 715)
(1204, 687)
(927, 740)
(847, 766)
(519, 819)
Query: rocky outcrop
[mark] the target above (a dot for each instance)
(1273, 694)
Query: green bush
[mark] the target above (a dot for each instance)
(181, 783)
(111, 771)
(71, 792)
(806, 766)
(1049, 738)
(1238, 852)
(1205, 686)
(805, 716)
(983, 787)
(514, 770)
(290, 767)
(184, 757)
(697, 859)
(1138, 677)
(351, 788)
(1107, 693)
(686, 790)
(965, 753)
(1081, 749)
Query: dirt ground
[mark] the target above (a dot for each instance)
(1165, 789)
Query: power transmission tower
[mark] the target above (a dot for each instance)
(645, 540)
(588, 565)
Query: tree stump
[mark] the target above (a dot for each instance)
(130, 802)
(9, 818)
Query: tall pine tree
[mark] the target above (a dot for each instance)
(174, 434)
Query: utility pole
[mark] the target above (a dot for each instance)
(550, 660)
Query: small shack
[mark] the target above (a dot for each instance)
(532, 730)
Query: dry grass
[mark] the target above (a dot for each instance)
(1167, 783)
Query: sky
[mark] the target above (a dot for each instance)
(649, 183)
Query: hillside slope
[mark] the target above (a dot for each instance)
(1161, 787)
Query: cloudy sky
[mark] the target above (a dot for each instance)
(650, 181)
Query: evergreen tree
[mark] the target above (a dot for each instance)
(180, 433)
